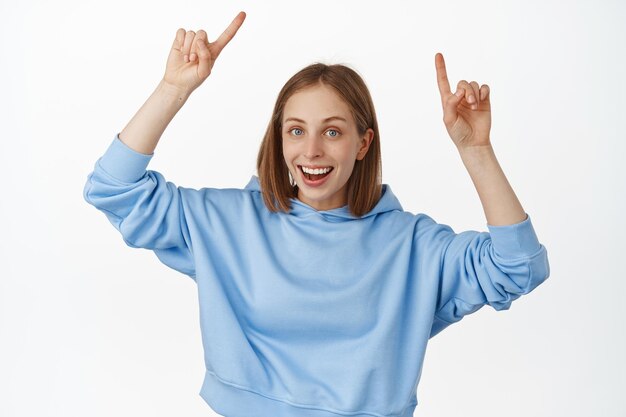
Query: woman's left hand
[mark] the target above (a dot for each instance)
(466, 113)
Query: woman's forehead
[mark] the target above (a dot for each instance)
(316, 104)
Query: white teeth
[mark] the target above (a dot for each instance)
(316, 171)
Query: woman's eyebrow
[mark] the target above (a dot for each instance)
(295, 119)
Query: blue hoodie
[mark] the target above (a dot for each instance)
(313, 313)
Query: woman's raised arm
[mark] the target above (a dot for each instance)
(189, 63)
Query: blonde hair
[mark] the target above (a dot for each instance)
(364, 185)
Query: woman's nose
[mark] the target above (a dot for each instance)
(313, 147)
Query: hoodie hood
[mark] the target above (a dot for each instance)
(387, 202)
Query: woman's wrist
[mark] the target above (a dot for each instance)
(170, 92)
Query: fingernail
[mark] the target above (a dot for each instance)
(470, 99)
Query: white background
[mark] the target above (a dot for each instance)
(89, 326)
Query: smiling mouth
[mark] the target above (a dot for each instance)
(314, 177)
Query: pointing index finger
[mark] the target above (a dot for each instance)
(442, 76)
(229, 33)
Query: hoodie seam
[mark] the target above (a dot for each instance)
(299, 405)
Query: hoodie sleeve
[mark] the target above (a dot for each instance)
(145, 208)
(479, 268)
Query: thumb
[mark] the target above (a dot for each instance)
(449, 108)
(204, 58)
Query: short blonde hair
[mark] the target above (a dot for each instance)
(364, 184)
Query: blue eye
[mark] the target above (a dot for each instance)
(336, 132)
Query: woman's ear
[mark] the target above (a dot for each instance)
(366, 140)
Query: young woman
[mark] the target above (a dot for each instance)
(318, 293)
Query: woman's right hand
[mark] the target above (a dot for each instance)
(192, 56)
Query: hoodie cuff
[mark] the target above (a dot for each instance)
(515, 240)
(124, 163)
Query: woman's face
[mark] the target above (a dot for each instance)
(319, 134)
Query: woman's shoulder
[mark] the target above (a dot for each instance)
(220, 195)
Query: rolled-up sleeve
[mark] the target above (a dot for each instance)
(146, 209)
(486, 268)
